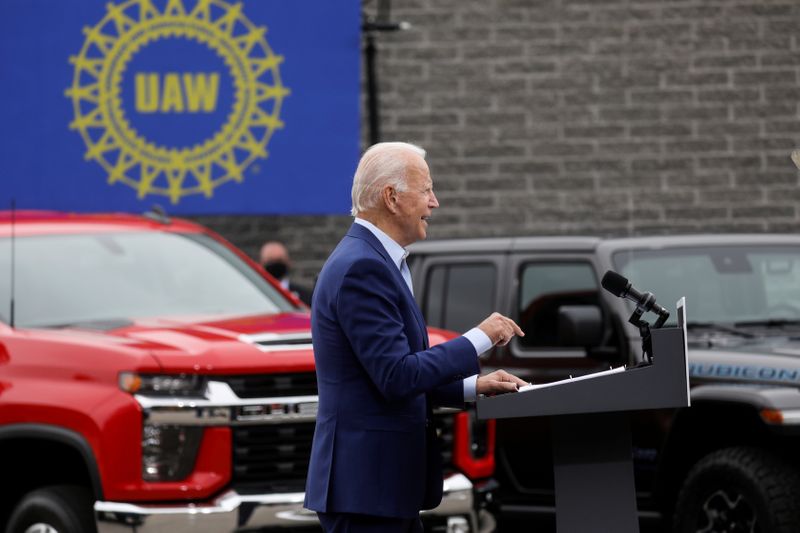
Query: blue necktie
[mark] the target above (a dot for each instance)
(406, 273)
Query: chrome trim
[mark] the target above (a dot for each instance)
(791, 417)
(231, 511)
(276, 342)
(186, 416)
(457, 498)
(221, 406)
(447, 410)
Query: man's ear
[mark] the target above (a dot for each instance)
(389, 198)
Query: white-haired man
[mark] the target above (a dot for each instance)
(375, 460)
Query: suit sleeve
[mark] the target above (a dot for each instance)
(450, 395)
(367, 309)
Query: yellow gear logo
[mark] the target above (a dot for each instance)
(141, 157)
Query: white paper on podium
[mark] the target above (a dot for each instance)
(533, 386)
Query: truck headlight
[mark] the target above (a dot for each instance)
(169, 452)
(185, 385)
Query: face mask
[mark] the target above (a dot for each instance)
(278, 269)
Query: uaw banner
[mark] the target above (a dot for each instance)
(200, 106)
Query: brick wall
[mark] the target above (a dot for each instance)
(605, 117)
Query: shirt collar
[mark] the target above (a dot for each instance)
(395, 251)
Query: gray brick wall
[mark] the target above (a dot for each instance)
(607, 117)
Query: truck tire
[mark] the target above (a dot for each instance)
(739, 489)
(55, 509)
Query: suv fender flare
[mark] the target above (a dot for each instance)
(60, 435)
(774, 398)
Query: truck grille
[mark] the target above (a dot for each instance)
(271, 458)
(271, 385)
(274, 457)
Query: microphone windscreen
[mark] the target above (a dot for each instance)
(614, 283)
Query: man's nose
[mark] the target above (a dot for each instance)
(433, 202)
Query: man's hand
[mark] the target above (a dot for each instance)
(498, 382)
(500, 329)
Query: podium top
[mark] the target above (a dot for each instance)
(662, 384)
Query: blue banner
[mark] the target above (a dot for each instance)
(201, 106)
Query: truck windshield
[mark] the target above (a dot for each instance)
(732, 284)
(113, 277)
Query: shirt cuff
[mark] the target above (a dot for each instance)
(470, 385)
(480, 340)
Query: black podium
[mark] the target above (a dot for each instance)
(591, 433)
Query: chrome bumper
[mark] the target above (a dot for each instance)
(235, 512)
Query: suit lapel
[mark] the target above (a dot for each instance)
(420, 319)
(360, 232)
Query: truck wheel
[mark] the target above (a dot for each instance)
(739, 490)
(56, 509)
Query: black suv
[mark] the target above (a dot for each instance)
(729, 462)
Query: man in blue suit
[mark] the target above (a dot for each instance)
(375, 460)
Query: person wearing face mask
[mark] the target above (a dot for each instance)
(275, 259)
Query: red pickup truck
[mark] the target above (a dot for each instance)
(154, 378)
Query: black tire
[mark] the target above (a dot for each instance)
(739, 490)
(62, 508)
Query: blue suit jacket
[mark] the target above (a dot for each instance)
(374, 451)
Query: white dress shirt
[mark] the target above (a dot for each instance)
(479, 340)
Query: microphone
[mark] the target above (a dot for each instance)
(619, 285)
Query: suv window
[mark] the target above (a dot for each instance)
(459, 296)
(544, 288)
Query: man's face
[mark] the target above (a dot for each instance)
(275, 259)
(416, 203)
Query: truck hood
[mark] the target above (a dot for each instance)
(771, 360)
(245, 344)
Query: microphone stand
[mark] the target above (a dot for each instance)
(644, 327)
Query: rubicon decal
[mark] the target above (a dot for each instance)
(745, 372)
(176, 98)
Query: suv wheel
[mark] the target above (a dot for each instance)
(56, 509)
(739, 490)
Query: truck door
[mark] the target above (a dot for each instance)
(543, 286)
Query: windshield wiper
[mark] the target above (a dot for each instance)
(717, 326)
(97, 325)
(769, 323)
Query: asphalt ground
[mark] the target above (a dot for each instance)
(529, 524)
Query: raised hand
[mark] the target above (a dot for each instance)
(500, 329)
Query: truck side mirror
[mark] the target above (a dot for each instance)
(580, 325)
